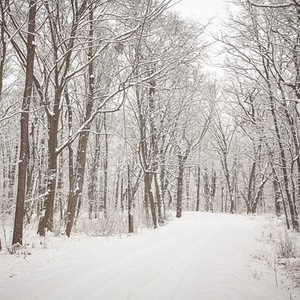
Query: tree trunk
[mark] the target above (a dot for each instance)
(148, 195)
(179, 185)
(46, 221)
(105, 168)
(257, 198)
(213, 190)
(222, 198)
(232, 204)
(117, 190)
(3, 45)
(160, 206)
(122, 194)
(250, 187)
(230, 189)
(206, 190)
(24, 142)
(74, 201)
(277, 198)
(198, 190)
(59, 84)
(93, 176)
(259, 194)
(187, 188)
(130, 200)
(77, 183)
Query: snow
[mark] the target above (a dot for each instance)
(200, 256)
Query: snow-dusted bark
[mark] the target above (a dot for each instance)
(24, 142)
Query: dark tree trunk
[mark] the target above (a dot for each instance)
(78, 180)
(277, 198)
(46, 221)
(277, 188)
(258, 196)
(130, 201)
(76, 186)
(181, 160)
(230, 188)
(198, 190)
(160, 206)
(105, 169)
(187, 188)
(232, 204)
(93, 176)
(149, 197)
(122, 194)
(249, 200)
(24, 143)
(117, 190)
(3, 45)
(256, 200)
(222, 198)
(206, 190)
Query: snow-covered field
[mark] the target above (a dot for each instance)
(201, 256)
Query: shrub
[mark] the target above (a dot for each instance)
(287, 245)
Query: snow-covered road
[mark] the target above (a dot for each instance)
(201, 256)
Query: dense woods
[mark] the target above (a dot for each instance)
(110, 119)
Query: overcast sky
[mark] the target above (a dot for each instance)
(200, 10)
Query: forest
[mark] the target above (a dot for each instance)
(115, 114)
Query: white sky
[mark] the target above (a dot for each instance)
(203, 11)
(200, 10)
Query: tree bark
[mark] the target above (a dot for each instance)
(59, 84)
(249, 202)
(160, 206)
(198, 190)
(93, 176)
(24, 142)
(277, 198)
(105, 167)
(130, 201)
(181, 161)
(258, 195)
(3, 50)
(149, 197)
(76, 186)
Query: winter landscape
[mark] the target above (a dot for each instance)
(149, 149)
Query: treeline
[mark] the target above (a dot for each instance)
(262, 42)
(107, 114)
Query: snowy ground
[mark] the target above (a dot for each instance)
(201, 256)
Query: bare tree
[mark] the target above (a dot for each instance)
(223, 138)
(3, 43)
(24, 142)
(259, 56)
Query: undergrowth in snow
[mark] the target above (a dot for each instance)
(111, 225)
(282, 249)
